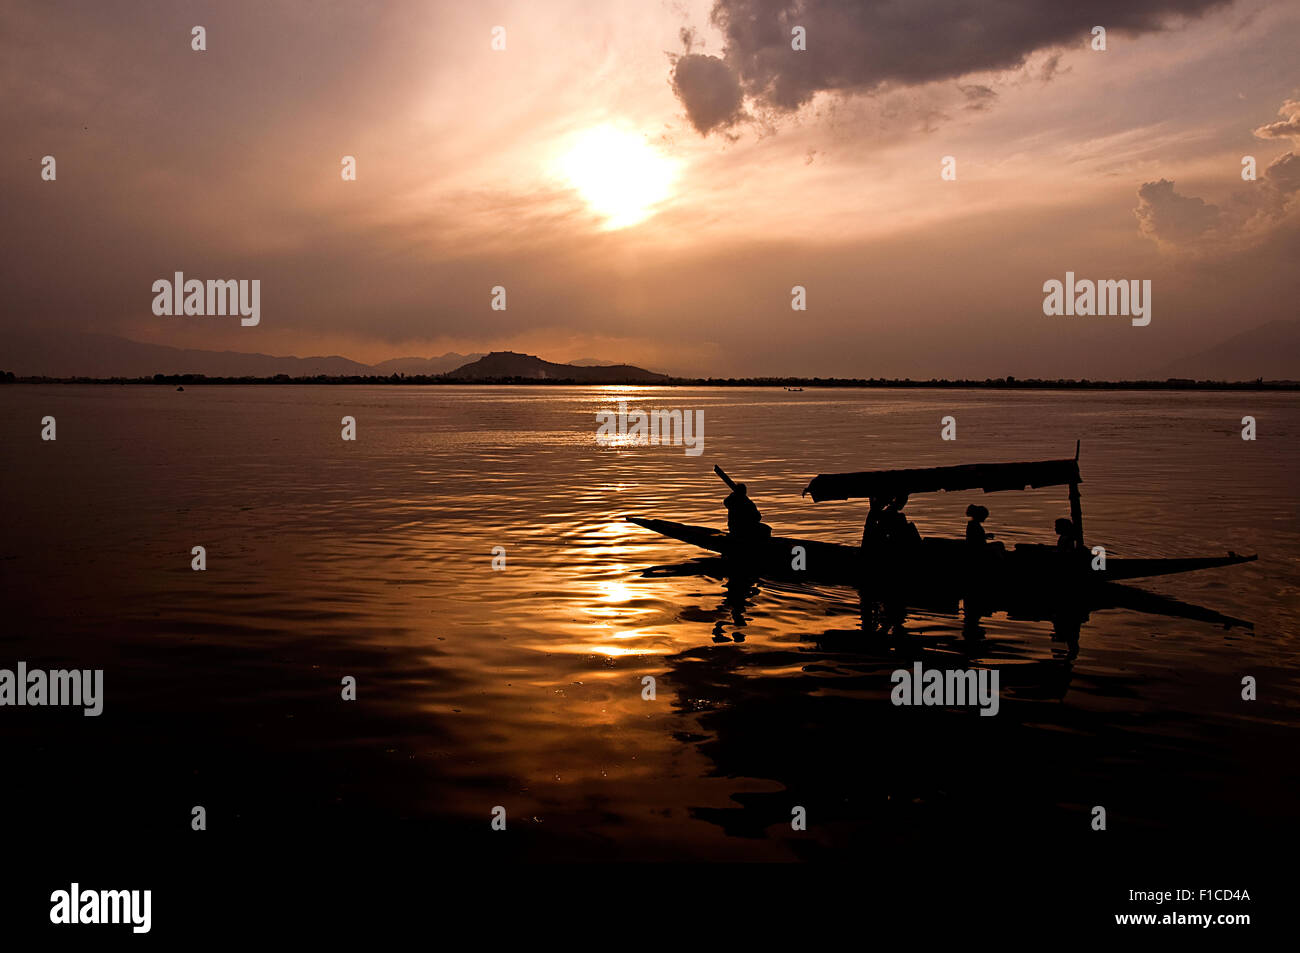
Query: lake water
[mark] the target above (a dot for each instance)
(522, 688)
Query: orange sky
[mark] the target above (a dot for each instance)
(225, 164)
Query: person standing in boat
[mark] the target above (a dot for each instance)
(744, 521)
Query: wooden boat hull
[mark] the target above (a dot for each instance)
(936, 563)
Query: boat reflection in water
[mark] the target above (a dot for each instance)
(810, 722)
(884, 617)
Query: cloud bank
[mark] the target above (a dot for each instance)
(857, 47)
(1255, 212)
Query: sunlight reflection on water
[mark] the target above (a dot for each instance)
(376, 556)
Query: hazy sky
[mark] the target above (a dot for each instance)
(649, 179)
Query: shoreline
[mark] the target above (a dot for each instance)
(1005, 383)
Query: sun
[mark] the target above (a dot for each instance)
(619, 175)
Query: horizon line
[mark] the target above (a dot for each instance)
(1008, 382)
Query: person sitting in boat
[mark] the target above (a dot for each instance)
(911, 535)
(1065, 535)
(872, 530)
(975, 534)
(899, 532)
(743, 518)
(977, 539)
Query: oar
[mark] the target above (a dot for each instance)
(723, 475)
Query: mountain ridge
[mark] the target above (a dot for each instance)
(50, 354)
(1269, 352)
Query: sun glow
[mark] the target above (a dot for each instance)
(619, 175)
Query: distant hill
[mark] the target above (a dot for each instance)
(40, 354)
(1270, 351)
(425, 365)
(507, 364)
(591, 362)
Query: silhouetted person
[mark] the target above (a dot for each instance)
(872, 531)
(1065, 535)
(744, 521)
(899, 532)
(976, 537)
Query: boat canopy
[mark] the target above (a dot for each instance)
(989, 477)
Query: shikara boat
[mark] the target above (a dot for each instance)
(940, 566)
(842, 563)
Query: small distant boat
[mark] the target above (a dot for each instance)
(794, 388)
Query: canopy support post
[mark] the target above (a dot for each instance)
(1076, 515)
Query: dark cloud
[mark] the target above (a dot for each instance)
(1165, 215)
(857, 46)
(708, 88)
